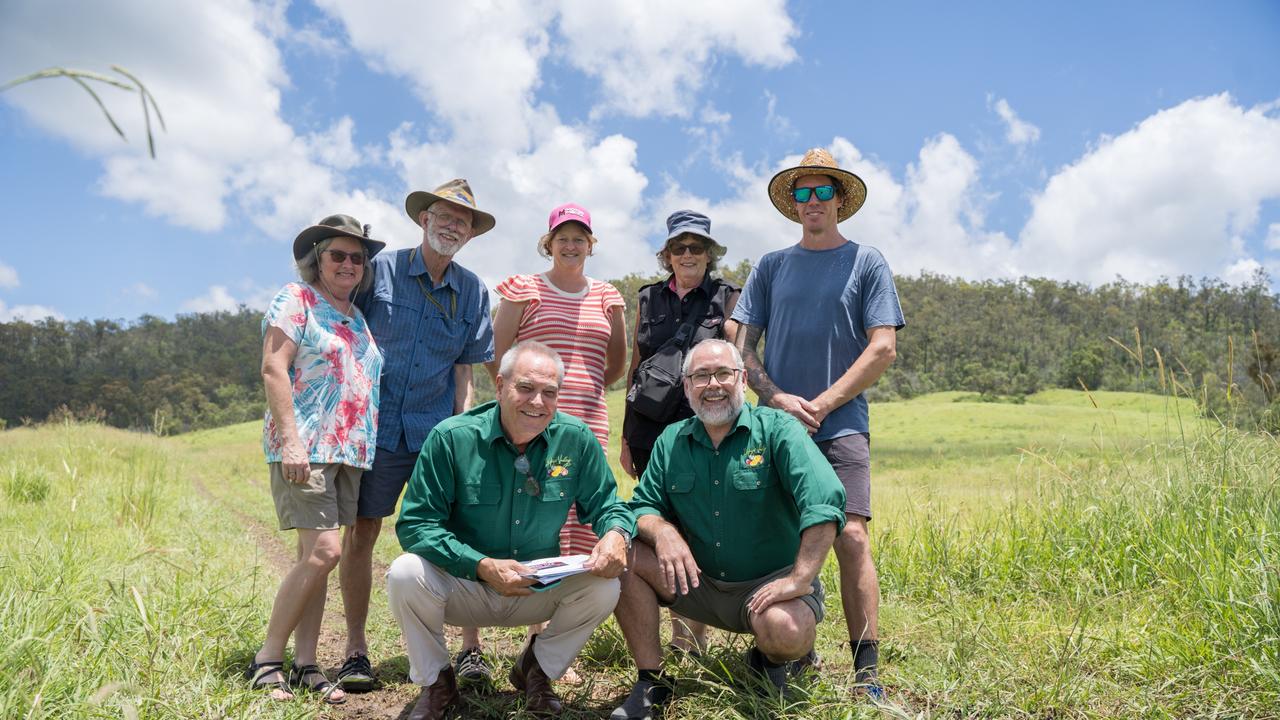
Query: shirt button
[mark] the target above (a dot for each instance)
(519, 490)
(717, 544)
(721, 573)
(757, 483)
(517, 522)
(717, 513)
(561, 494)
(717, 482)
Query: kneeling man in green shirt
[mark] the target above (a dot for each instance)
(735, 515)
(491, 489)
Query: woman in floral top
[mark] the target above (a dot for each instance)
(321, 371)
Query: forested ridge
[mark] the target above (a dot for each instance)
(1002, 339)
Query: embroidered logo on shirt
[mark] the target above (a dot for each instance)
(558, 467)
(753, 457)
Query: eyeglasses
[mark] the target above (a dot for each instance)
(723, 376)
(450, 220)
(531, 486)
(692, 249)
(340, 256)
(824, 193)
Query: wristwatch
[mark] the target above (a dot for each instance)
(626, 536)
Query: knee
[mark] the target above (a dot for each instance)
(853, 539)
(405, 574)
(785, 632)
(364, 534)
(326, 553)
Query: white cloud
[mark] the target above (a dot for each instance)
(8, 277)
(652, 57)
(217, 299)
(1241, 271)
(779, 125)
(27, 313)
(1017, 131)
(1273, 236)
(141, 291)
(1168, 197)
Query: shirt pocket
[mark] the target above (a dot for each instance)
(678, 483)
(559, 489)
(478, 493)
(751, 479)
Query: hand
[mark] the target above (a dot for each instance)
(821, 409)
(294, 463)
(505, 577)
(609, 556)
(799, 408)
(679, 570)
(780, 590)
(624, 459)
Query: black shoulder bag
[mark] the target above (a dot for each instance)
(656, 388)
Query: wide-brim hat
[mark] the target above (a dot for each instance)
(693, 223)
(853, 191)
(335, 226)
(459, 193)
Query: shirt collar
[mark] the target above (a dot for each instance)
(418, 266)
(707, 286)
(494, 432)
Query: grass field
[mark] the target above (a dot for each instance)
(1075, 556)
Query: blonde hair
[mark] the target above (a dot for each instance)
(544, 242)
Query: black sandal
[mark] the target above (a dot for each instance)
(259, 670)
(326, 689)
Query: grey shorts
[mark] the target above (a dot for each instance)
(724, 604)
(383, 485)
(326, 501)
(850, 457)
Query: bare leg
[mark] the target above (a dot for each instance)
(688, 635)
(637, 609)
(470, 638)
(355, 575)
(859, 586)
(318, 553)
(785, 631)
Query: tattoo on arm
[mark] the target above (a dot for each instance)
(748, 342)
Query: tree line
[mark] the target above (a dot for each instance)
(998, 339)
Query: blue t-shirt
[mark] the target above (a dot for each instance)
(816, 307)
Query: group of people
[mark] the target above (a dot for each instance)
(367, 365)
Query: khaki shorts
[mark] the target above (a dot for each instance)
(326, 501)
(724, 604)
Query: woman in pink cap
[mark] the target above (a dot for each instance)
(582, 319)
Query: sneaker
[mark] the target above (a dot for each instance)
(471, 667)
(356, 674)
(810, 662)
(775, 677)
(646, 701)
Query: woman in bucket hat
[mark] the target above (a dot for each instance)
(689, 294)
(320, 367)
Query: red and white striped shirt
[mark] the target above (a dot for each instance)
(575, 325)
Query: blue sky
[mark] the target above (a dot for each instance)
(1078, 141)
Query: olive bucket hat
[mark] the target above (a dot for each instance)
(335, 226)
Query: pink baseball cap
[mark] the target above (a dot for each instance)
(566, 213)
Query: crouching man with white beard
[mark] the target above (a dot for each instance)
(735, 514)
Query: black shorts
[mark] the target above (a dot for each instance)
(850, 457)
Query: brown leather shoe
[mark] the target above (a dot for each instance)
(435, 700)
(527, 675)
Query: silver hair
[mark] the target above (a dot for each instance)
(509, 358)
(733, 351)
(309, 265)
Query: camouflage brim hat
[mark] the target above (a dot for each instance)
(457, 192)
(817, 162)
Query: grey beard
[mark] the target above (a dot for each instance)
(446, 250)
(725, 413)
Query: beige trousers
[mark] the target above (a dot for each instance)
(423, 598)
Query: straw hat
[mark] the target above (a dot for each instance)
(457, 192)
(818, 161)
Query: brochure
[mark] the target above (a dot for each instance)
(547, 571)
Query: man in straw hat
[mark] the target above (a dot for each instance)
(430, 317)
(831, 312)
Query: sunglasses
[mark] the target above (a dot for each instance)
(824, 193)
(692, 249)
(340, 256)
(531, 486)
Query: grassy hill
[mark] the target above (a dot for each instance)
(1074, 556)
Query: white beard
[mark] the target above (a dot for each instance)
(722, 414)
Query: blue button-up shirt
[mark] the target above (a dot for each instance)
(420, 343)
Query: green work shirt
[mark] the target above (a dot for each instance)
(466, 502)
(742, 506)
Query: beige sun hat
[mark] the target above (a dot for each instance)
(457, 192)
(818, 162)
